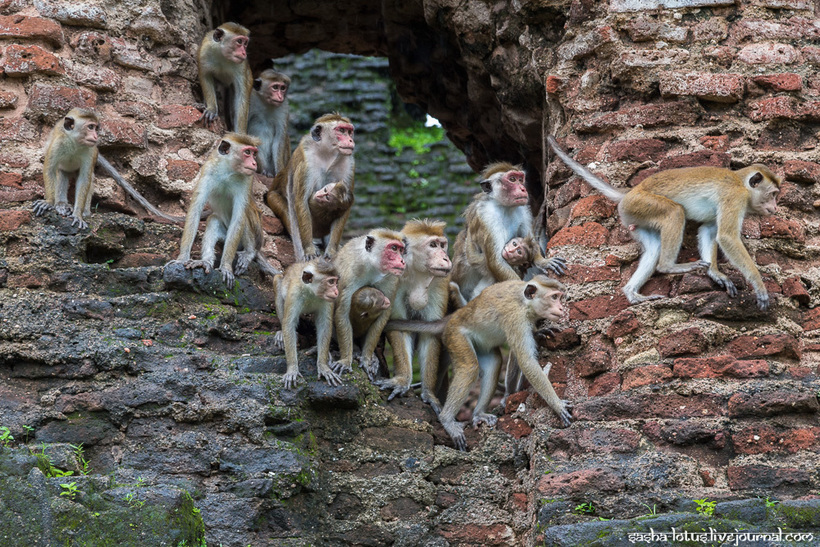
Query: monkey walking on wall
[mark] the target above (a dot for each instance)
(268, 120)
(223, 60)
(71, 151)
(655, 211)
(504, 313)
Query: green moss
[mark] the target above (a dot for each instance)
(417, 136)
(799, 517)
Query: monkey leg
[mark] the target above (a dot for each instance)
(402, 343)
(513, 379)
(650, 241)
(324, 329)
(214, 232)
(490, 366)
(279, 205)
(707, 245)
(61, 205)
(429, 354)
(465, 372)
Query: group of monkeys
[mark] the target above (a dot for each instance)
(403, 282)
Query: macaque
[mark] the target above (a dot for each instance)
(503, 314)
(268, 120)
(494, 217)
(365, 307)
(323, 157)
(224, 182)
(306, 287)
(376, 260)
(223, 58)
(71, 151)
(422, 294)
(655, 211)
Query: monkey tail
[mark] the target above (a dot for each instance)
(266, 266)
(609, 191)
(425, 327)
(108, 168)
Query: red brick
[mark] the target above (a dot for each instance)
(770, 108)
(768, 54)
(636, 150)
(695, 159)
(763, 438)
(31, 28)
(744, 347)
(14, 180)
(182, 169)
(710, 29)
(681, 342)
(514, 426)
(177, 115)
(138, 260)
(564, 339)
(74, 13)
(587, 43)
(631, 405)
(644, 29)
(686, 433)
(587, 274)
(272, 225)
(519, 501)
(624, 323)
(593, 362)
(25, 60)
(17, 129)
(582, 482)
(651, 58)
(604, 384)
(744, 477)
(596, 206)
(475, 534)
(54, 101)
(589, 234)
(786, 81)
(121, 132)
(653, 115)
(11, 220)
(8, 100)
(772, 403)
(643, 376)
(718, 143)
(514, 400)
(802, 171)
(793, 288)
(783, 228)
(598, 307)
(723, 88)
(811, 54)
(554, 84)
(13, 159)
(93, 45)
(25, 281)
(95, 77)
(575, 441)
(811, 319)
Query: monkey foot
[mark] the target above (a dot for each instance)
(456, 432)
(483, 417)
(400, 387)
(278, 341)
(80, 223)
(291, 379)
(193, 264)
(370, 366)
(762, 300)
(724, 282)
(683, 268)
(636, 298)
(329, 376)
(340, 367)
(227, 276)
(564, 413)
(63, 209)
(243, 261)
(431, 400)
(41, 206)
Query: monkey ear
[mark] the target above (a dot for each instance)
(368, 243)
(218, 34)
(529, 291)
(68, 123)
(257, 84)
(406, 246)
(755, 179)
(486, 186)
(224, 148)
(316, 133)
(307, 277)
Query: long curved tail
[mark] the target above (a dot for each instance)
(108, 168)
(425, 327)
(611, 192)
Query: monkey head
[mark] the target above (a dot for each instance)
(322, 277)
(505, 184)
(518, 251)
(241, 151)
(545, 297)
(272, 87)
(428, 247)
(764, 188)
(332, 197)
(337, 130)
(81, 125)
(370, 301)
(388, 249)
(233, 41)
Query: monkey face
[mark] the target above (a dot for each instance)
(343, 133)
(392, 261)
(276, 93)
(546, 302)
(329, 289)
(246, 164)
(515, 252)
(236, 49)
(437, 263)
(88, 134)
(512, 191)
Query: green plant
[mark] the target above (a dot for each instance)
(653, 511)
(771, 503)
(585, 508)
(29, 431)
(79, 453)
(5, 437)
(69, 490)
(132, 500)
(417, 137)
(705, 507)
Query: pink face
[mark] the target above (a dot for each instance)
(88, 134)
(325, 194)
(275, 93)
(514, 252)
(392, 261)
(329, 289)
(548, 303)
(769, 205)
(236, 48)
(343, 133)
(512, 191)
(246, 160)
(438, 263)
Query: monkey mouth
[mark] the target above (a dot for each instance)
(346, 150)
(396, 271)
(440, 272)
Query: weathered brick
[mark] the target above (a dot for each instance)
(748, 346)
(8, 100)
(273, 225)
(26, 60)
(13, 180)
(744, 477)
(53, 101)
(476, 534)
(585, 44)
(763, 438)
(793, 288)
(581, 481)
(587, 274)
(31, 28)
(564, 339)
(574, 441)
(121, 132)
(95, 77)
(516, 427)
(631, 405)
(636, 150)
(695, 159)
(596, 206)
(643, 376)
(177, 115)
(719, 143)
(768, 54)
(802, 171)
(93, 45)
(723, 88)
(783, 228)
(811, 54)
(770, 108)
(717, 366)
(589, 234)
(650, 58)
(786, 81)
(182, 169)
(710, 29)
(13, 159)
(772, 403)
(624, 323)
(811, 319)
(644, 29)
(554, 84)
(598, 307)
(593, 362)
(73, 13)
(653, 115)
(138, 260)
(690, 340)
(17, 129)
(604, 384)
(11, 220)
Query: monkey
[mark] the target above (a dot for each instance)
(365, 306)
(253, 238)
(71, 150)
(495, 216)
(224, 182)
(223, 58)
(656, 210)
(377, 260)
(326, 204)
(306, 287)
(422, 294)
(324, 156)
(268, 120)
(503, 313)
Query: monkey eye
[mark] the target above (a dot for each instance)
(92, 127)
(332, 281)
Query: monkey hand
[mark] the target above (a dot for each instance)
(341, 366)
(79, 222)
(557, 264)
(291, 378)
(227, 275)
(333, 379)
(41, 206)
(278, 341)
(483, 417)
(209, 116)
(456, 431)
(243, 260)
(723, 281)
(564, 412)
(370, 366)
(399, 386)
(431, 400)
(762, 299)
(63, 208)
(204, 264)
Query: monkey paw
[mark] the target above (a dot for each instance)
(431, 400)
(227, 276)
(243, 260)
(399, 387)
(564, 412)
(557, 265)
(456, 432)
(724, 282)
(193, 264)
(329, 376)
(762, 300)
(370, 366)
(340, 367)
(80, 223)
(278, 341)
(291, 379)
(63, 209)
(209, 116)
(41, 206)
(483, 417)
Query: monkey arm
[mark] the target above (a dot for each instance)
(234, 236)
(282, 154)
(557, 264)
(201, 194)
(242, 98)
(344, 330)
(522, 344)
(429, 354)
(299, 223)
(368, 360)
(83, 188)
(497, 266)
(324, 330)
(728, 238)
(206, 82)
(292, 308)
(465, 372)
